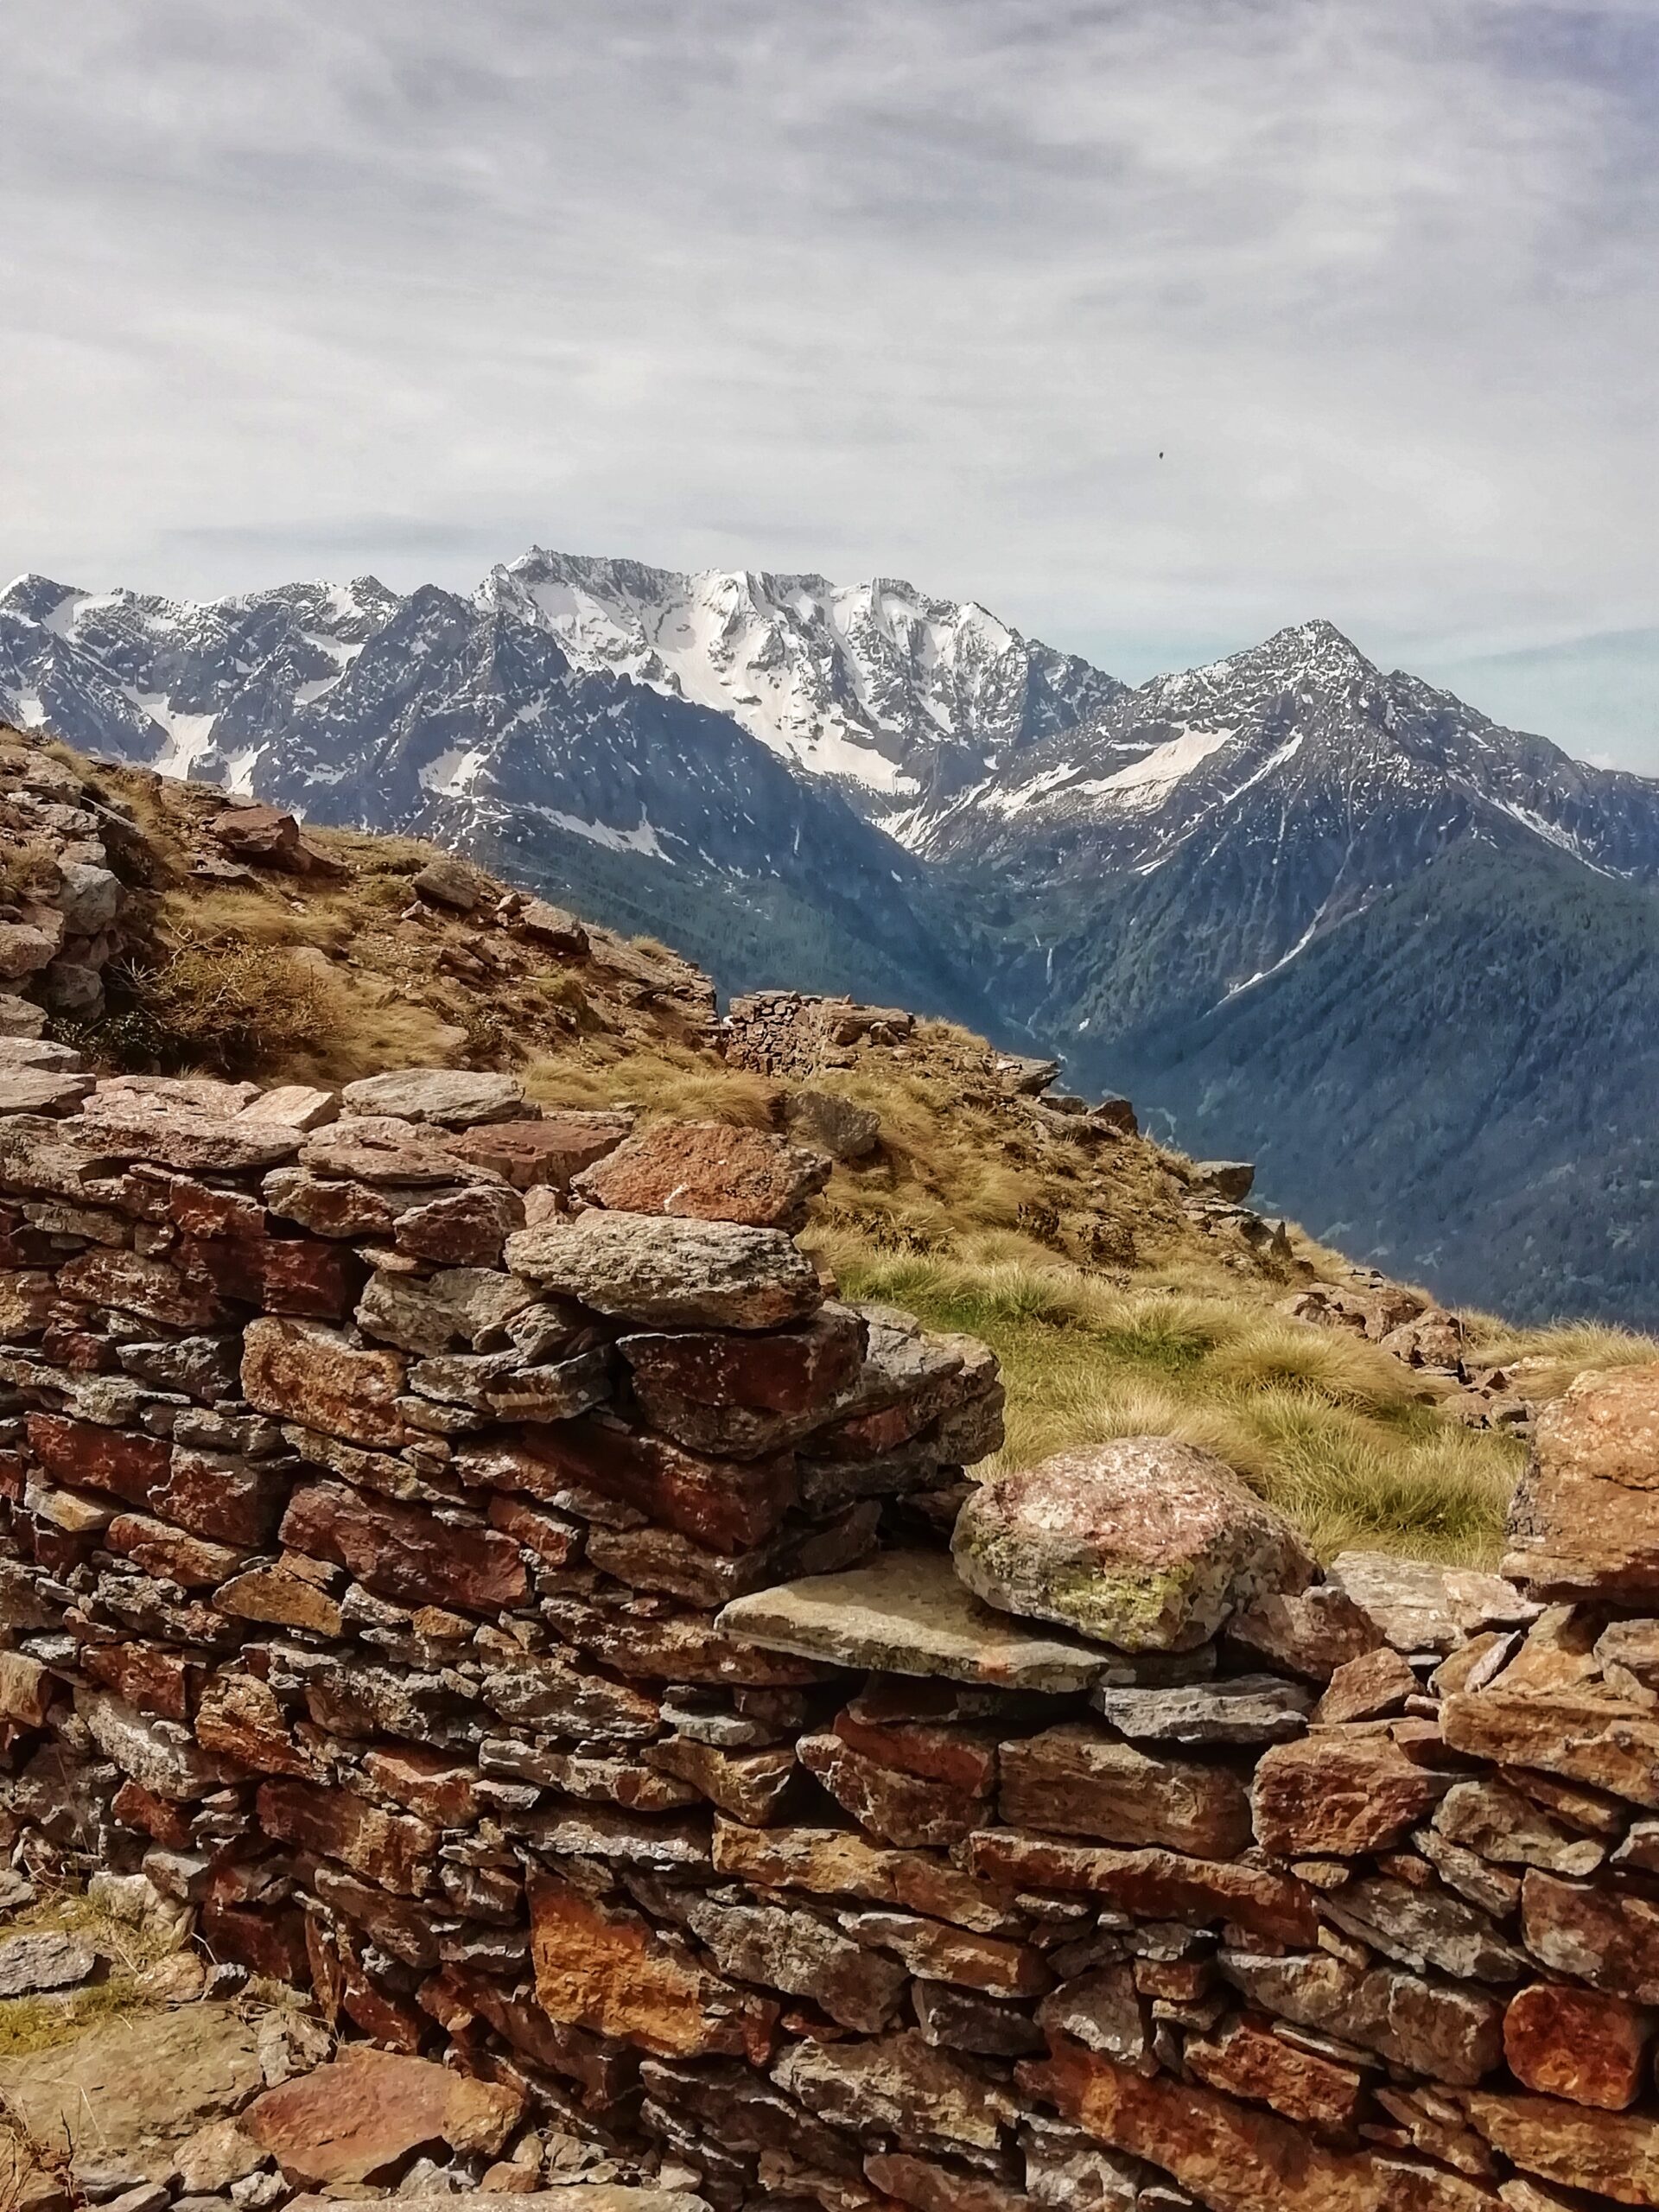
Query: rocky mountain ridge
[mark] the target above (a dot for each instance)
(867, 790)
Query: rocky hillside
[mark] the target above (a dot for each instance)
(1202, 889)
(1123, 1285)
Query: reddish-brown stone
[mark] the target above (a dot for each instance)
(134, 1807)
(136, 1283)
(896, 1807)
(271, 1942)
(831, 1862)
(554, 1541)
(1608, 2154)
(88, 1457)
(933, 2187)
(785, 1371)
(357, 2118)
(1078, 1780)
(232, 1501)
(393, 1849)
(708, 1171)
(1233, 2157)
(239, 1718)
(550, 1151)
(727, 1504)
(285, 1600)
(882, 1724)
(301, 1372)
(435, 1786)
(403, 1552)
(1582, 1520)
(1361, 1689)
(1607, 1937)
(603, 1969)
(753, 1787)
(604, 2071)
(1577, 2044)
(161, 1549)
(149, 1675)
(1249, 2060)
(462, 1229)
(1607, 1742)
(1156, 1885)
(1335, 1795)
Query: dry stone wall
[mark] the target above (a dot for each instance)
(474, 1560)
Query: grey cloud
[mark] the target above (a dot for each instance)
(920, 290)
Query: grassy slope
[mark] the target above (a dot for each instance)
(1112, 1312)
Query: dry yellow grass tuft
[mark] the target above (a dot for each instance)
(1331, 1430)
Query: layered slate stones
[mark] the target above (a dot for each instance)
(1144, 1543)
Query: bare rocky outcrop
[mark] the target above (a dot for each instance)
(536, 1634)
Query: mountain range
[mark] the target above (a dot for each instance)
(1304, 909)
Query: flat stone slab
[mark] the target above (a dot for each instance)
(29, 1963)
(907, 1614)
(150, 2078)
(1250, 1709)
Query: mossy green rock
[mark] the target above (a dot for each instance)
(1143, 1543)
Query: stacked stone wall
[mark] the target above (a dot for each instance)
(475, 1561)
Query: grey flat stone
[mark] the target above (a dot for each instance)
(907, 1614)
(1251, 1709)
(32, 1962)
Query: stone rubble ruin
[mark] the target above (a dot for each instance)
(475, 1563)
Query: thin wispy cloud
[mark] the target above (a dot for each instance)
(924, 290)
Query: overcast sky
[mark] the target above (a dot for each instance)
(1153, 324)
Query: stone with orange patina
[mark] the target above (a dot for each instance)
(728, 1505)
(356, 2118)
(1610, 2154)
(708, 1171)
(1584, 1521)
(302, 1371)
(602, 1969)
(1155, 1884)
(894, 1806)
(1080, 1780)
(393, 1849)
(1335, 1795)
(1577, 2044)
(1234, 2157)
(403, 1552)
(87, 1456)
(1246, 2059)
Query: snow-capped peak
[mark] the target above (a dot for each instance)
(876, 685)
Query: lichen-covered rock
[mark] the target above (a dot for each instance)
(830, 1123)
(1145, 1544)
